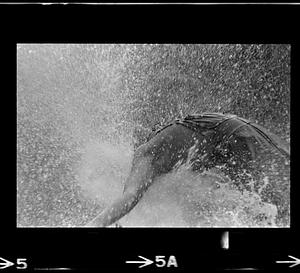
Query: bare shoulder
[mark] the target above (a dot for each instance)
(174, 134)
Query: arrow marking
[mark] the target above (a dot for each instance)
(5, 263)
(294, 263)
(145, 262)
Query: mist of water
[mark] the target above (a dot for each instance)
(78, 108)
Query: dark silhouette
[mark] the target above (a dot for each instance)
(218, 140)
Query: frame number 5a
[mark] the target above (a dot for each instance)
(161, 261)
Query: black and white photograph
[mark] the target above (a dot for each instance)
(153, 135)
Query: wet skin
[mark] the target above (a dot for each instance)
(151, 160)
(171, 145)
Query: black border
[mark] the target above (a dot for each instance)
(107, 249)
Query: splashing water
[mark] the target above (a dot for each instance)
(209, 199)
(80, 109)
(184, 199)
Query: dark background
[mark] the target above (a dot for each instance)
(108, 248)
